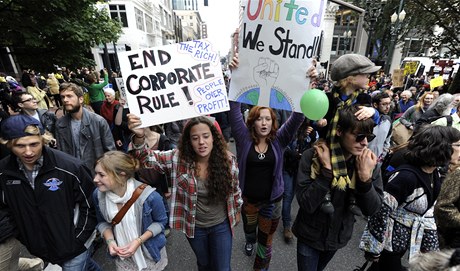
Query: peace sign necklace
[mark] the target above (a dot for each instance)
(261, 155)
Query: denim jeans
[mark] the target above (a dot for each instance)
(310, 259)
(288, 196)
(213, 247)
(82, 262)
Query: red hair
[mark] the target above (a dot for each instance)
(254, 114)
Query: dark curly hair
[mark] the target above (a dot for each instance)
(432, 146)
(254, 114)
(219, 180)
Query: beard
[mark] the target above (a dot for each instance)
(73, 109)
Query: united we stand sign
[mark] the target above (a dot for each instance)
(277, 41)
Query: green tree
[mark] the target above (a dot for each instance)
(424, 20)
(54, 32)
(446, 15)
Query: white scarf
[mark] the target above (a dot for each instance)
(127, 230)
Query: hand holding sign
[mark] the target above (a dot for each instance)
(265, 75)
(133, 123)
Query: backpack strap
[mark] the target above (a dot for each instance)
(121, 213)
(449, 120)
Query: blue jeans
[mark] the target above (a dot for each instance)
(82, 262)
(310, 259)
(288, 196)
(213, 247)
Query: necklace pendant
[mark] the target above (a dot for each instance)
(261, 156)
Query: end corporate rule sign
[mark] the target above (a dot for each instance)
(276, 44)
(173, 82)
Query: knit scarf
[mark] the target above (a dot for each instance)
(339, 167)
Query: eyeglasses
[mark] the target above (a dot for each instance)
(28, 100)
(361, 137)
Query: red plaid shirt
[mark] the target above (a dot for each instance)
(184, 188)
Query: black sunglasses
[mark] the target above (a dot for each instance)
(361, 137)
(28, 100)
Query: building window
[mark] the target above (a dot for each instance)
(118, 12)
(148, 24)
(191, 24)
(334, 48)
(139, 19)
(157, 25)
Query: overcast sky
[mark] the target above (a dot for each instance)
(222, 18)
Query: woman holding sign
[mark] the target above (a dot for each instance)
(206, 199)
(260, 146)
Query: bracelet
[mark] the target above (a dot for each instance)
(139, 239)
(108, 241)
(143, 136)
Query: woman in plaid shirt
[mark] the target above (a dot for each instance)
(206, 198)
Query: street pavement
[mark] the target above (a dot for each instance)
(181, 257)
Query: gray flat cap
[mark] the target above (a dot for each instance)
(352, 64)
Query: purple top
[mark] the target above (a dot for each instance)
(244, 142)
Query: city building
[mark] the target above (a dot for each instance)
(146, 23)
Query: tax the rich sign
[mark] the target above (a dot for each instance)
(276, 44)
(173, 82)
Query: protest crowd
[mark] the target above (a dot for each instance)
(79, 172)
(389, 154)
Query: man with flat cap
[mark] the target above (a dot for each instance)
(350, 75)
(48, 194)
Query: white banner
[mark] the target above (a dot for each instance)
(173, 82)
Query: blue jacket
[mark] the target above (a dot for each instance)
(154, 219)
(244, 142)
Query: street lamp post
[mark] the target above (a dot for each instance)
(373, 11)
(346, 40)
(396, 19)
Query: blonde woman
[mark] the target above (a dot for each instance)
(414, 112)
(53, 86)
(138, 241)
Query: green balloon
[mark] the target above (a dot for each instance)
(314, 104)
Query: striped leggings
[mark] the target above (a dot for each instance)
(260, 222)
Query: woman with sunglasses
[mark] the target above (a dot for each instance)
(320, 234)
(405, 222)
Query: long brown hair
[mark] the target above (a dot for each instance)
(219, 168)
(254, 114)
(420, 103)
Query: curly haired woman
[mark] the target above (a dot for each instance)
(405, 221)
(206, 198)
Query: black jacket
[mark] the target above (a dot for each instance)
(7, 226)
(45, 215)
(322, 231)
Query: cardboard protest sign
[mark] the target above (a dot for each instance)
(173, 82)
(398, 77)
(277, 42)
